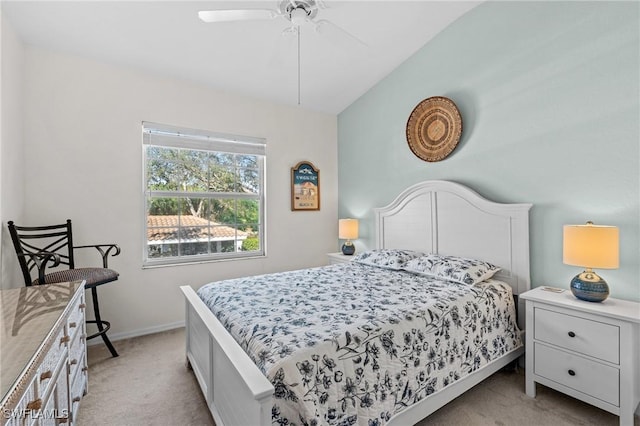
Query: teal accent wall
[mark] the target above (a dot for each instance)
(549, 96)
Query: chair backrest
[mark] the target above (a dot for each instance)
(28, 240)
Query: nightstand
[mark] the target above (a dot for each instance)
(590, 351)
(338, 257)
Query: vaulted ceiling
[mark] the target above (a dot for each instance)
(361, 43)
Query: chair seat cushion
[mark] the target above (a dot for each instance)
(92, 276)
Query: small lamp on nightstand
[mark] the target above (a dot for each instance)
(348, 230)
(590, 246)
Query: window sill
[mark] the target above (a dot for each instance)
(171, 262)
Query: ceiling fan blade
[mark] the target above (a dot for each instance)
(320, 4)
(337, 34)
(237, 15)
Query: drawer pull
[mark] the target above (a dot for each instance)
(82, 306)
(46, 375)
(72, 325)
(571, 372)
(73, 362)
(85, 368)
(35, 405)
(62, 419)
(76, 399)
(572, 334)
(64, 339)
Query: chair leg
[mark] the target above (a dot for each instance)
(102, 330)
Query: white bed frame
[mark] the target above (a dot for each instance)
(432, 217)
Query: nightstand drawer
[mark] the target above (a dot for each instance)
(589, 377)
(577, 334)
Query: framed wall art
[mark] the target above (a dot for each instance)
(305, 187)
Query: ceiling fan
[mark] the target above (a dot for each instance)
(298, 12)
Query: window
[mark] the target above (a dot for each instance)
(204, 195)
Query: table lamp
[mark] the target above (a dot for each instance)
(590, 246)
(348, 230)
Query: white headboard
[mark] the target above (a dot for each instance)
(450, 219)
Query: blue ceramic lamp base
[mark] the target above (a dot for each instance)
(348, 248)
(589, 286)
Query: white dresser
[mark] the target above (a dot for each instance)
(43, 374)
(590, 351)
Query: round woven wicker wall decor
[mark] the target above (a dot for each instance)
(434, 128)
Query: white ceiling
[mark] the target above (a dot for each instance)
(252, 58)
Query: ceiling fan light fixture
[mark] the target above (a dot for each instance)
(298, 16)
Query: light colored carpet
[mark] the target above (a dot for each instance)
(148, 384)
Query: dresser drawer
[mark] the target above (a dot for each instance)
(77, 351)
(53, 415)
(49, 412)
(21, 415)
(76, 316)
(77, 391)
(592, 338)
(51, 363)
(589, 377)
(61, 395)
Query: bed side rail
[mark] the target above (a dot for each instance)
(235, 389)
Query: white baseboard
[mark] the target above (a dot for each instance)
(137, 333)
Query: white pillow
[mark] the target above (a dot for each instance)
(387, 258)
(458, 269)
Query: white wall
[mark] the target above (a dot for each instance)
(83, 143)
(11, 149)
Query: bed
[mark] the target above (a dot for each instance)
(293, 379)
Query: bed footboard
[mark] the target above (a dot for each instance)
(236, 391)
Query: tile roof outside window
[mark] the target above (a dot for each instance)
(193, 228)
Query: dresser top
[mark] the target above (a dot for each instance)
(614, 308)
(28, 316)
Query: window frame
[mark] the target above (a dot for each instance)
(167, 136)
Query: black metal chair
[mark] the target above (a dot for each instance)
(47, 247)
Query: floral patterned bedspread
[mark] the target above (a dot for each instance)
(354, 344)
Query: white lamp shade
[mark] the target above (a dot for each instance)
(591, 246)
(348, 229)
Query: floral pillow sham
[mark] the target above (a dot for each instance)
(387, 258)
(458, 269)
